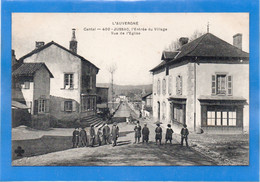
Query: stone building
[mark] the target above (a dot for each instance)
(204, 84)
(31, 95)
(73, 88)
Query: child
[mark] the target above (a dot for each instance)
(158, 134)
(184, 135)
(169, 133)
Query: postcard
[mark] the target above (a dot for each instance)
(131, 90)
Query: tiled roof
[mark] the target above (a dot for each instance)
(54, 43)
(208, 45)
(169, 54)
(29, 69)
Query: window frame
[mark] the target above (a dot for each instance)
(216, 110)
(65, 105)
(70, 80)
(41, 106)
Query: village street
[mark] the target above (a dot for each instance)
(126, 153)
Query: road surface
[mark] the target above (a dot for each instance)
(125, 154)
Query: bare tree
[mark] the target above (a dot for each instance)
(175, 44)
(112, 68)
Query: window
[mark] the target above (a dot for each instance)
(26, 85)
(170, 85)
(221, 84)
(41, 106)
(68, 81)
(164, 111)
(68, 106)
(158, 87)
(217, 116)
(164, 86)
(179, 85)
(90, 82)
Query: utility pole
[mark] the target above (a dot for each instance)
(112, 70)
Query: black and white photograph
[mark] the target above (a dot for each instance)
(130, 89)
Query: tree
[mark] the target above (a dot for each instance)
(175, 44)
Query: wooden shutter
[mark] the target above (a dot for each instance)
(170, 85)
(35, 110)
(62, 81)
(239, 116)
(203, 115)
(229, 85)
(47, 106)
(180, 85)
(177, 86)
(62, 106)
(74, 106)
(213, 84)
(75, 80)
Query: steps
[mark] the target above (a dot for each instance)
(89, 120)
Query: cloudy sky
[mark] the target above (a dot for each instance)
(134, 55)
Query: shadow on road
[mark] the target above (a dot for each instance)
(122, 134)
(120, 143)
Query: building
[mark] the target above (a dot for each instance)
(102, 98)
(73, 88)
(31, 95)
(204, 84)
(147, 105)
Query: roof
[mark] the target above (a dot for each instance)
(18, 105)
(58, 45)
(167, 55)
(29, 69)
(208, 45)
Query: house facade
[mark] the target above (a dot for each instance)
(31, 94)
(73, 88)
(204, 84)
(147, 105)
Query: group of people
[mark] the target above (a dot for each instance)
(80, 138)
(105, 135)
(158, 133)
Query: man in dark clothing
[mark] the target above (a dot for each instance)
(75, 138)
(115, 133)
(169, 133)
(158, 134)
(184, 134)
(137, 130)
(83, 137)
(99, 135)
(92, 135)
(106, 134)
(145, 133)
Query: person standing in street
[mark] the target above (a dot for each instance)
(145, 133)
(169, 133)
(75, 138)
(83, 137)
(99, 135)
(158, 134)
(184, 135)
(106, 134)
(137, 130)
(92, 135)
(115, 133)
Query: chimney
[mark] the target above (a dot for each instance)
(183, 41)
(38, 44)
(73, 42)
(14, 61)
(237, 40)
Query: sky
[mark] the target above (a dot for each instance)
(133, 55)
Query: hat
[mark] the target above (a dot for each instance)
(145, 124)
(184, 125)
(158, 124)
(137, 121)
(114, 123)
(169, 125)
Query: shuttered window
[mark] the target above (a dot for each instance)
(170, 85)
(158, 87)
(179, 85)
(229, 85)
(164, 86)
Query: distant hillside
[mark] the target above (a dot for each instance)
(128, 90)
